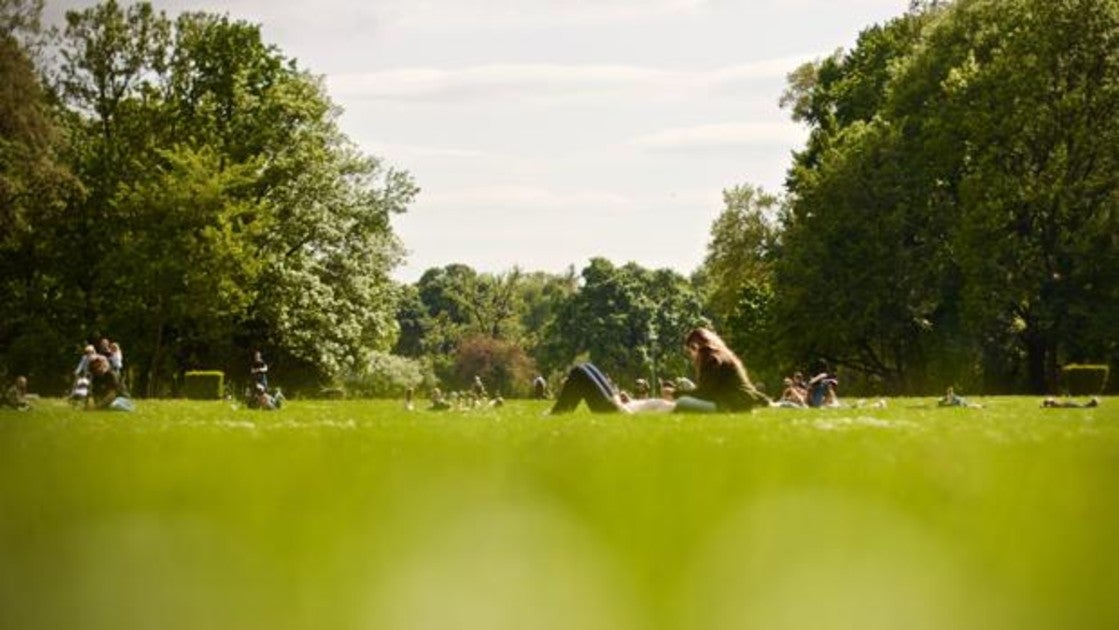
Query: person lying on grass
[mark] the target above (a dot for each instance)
(721, 384)
(1068, 403)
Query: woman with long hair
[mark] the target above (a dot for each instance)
(722, 384)
(721, 380)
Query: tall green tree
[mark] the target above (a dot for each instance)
(1038, 171)
(959, 187)
(857, 274)
(197, 132)
(628, 320)
(737, 274)
(35, 188)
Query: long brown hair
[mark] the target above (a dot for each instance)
(710, 347)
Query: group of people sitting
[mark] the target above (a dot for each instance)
(818, 391)
(474, 398)
(99, 379)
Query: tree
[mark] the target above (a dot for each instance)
(628, 320)
(502, 365)
(857, 274)
(35, 187)
(197, 132)
(960, 185)
(737, 273)
(1039, 173)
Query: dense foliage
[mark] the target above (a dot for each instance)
(182, 186)
(509, 327)
(192, 196)
(953, 216)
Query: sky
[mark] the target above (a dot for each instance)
(543, 133)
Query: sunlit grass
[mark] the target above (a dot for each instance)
(362, 515)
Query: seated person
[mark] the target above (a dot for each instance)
(438, 401)
(822, 391)
(83, 364)
(792, 395)
(106, 391)
(950, 399)
(16, 395)
(260, 398)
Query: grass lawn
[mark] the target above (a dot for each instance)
(359, 514)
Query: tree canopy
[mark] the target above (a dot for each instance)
(222, 208)
(954, 210)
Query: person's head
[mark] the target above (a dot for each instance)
(89, 349)
(99, 365)
(700, 338)
(256, 355)
(103, 344)
(703, 342)
(21, 383)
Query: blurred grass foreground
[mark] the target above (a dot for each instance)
(363, 515)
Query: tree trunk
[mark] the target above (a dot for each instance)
(1036, 360)
(157, 352)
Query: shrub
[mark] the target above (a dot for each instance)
(387, 376)
(503, 366)
(1084, 380)
(203, 385)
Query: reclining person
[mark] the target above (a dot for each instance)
(723, 384)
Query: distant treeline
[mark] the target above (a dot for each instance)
(181, 186)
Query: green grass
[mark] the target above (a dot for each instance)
(361, 515)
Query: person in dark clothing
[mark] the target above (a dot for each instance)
(1053, 403)
(721, 380)
(106, 390)
(540, 388)
(586, 383)
(259, 370)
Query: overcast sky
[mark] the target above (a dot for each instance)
(545, 132)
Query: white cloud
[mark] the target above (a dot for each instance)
(502, 80)
(412, 151)
(500, 197)
(723, 135)
(452, 15)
